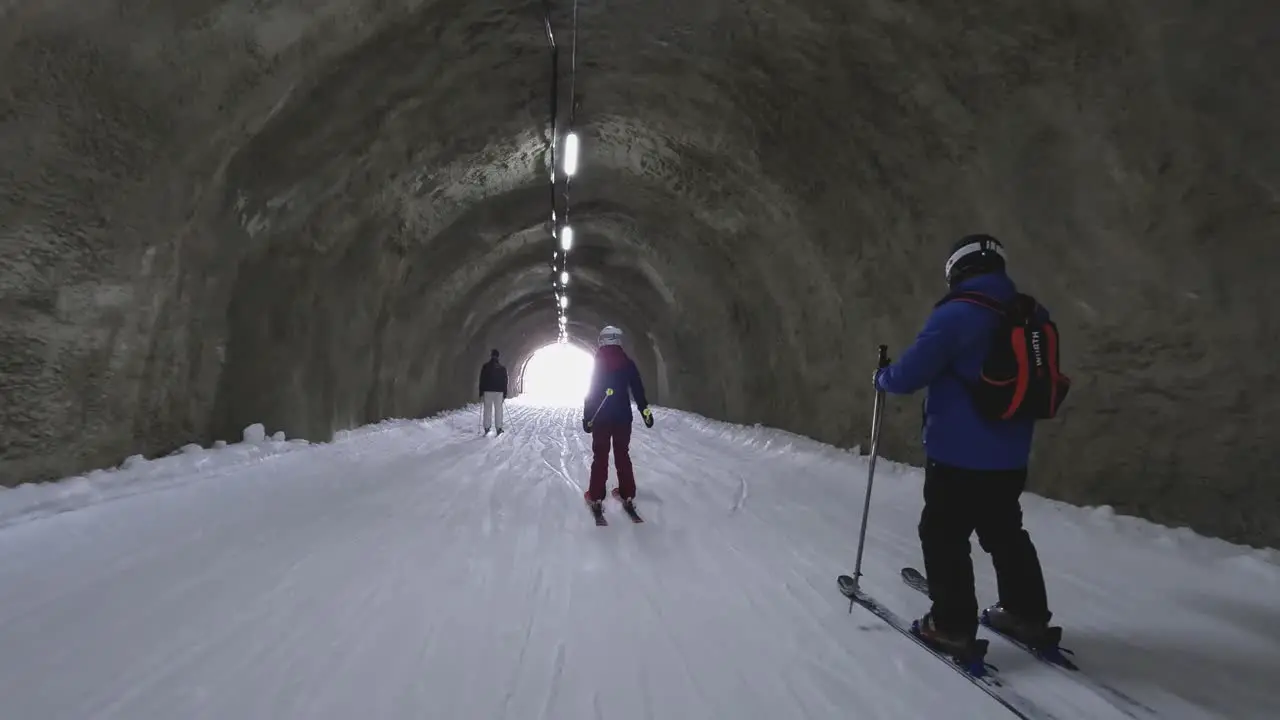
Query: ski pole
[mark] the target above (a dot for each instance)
(877, 414)
(607, 393)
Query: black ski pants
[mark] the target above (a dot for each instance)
(958, 502)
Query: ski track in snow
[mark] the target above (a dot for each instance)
(421, 570)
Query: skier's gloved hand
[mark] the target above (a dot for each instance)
(647, 414)
(875, 376)
(586, 425)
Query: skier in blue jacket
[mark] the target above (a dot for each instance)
(608, 416)
(976, 468)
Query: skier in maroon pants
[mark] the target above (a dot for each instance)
(607, 416)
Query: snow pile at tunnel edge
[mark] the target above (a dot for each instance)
(137, 474)
(1181, 543)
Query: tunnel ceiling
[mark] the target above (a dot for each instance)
(320, 214)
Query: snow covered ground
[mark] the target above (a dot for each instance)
(415, 569)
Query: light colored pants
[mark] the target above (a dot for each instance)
(492, 410)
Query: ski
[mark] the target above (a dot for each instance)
(629, 507)
(1055, 657)
(976, 670)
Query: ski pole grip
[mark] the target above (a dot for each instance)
(884, 357)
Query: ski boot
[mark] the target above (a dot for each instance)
(1040, 638)
(968, 651)
(628, 503)
(596, 507)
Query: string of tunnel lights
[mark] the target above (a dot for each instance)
(565, 237)
(562, 231)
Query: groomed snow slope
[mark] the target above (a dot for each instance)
(415, 569)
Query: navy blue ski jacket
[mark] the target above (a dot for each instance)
(493, 377)
(953, 345)
(613, 369)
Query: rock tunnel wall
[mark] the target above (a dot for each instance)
(319, 214)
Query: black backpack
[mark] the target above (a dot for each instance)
(1020, 376)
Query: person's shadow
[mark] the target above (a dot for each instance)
(648, 496)
(1198, 666)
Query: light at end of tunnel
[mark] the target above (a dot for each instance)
(564, 277)
(558, 374)
(566, 238)
(571, 154)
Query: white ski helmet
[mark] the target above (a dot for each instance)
(610, 335)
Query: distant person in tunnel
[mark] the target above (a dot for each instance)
(607, 416)
(493, 392)
(979, 420)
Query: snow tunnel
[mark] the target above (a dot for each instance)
(236, 214)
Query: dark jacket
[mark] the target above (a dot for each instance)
(493, 377)
(613, 369)
(953, 345)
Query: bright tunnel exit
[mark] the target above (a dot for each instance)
(557, 374)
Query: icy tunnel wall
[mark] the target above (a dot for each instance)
(317, 214)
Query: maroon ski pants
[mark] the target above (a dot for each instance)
(619, 436)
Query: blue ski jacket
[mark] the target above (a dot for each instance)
(953, 345)
(613, 369)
